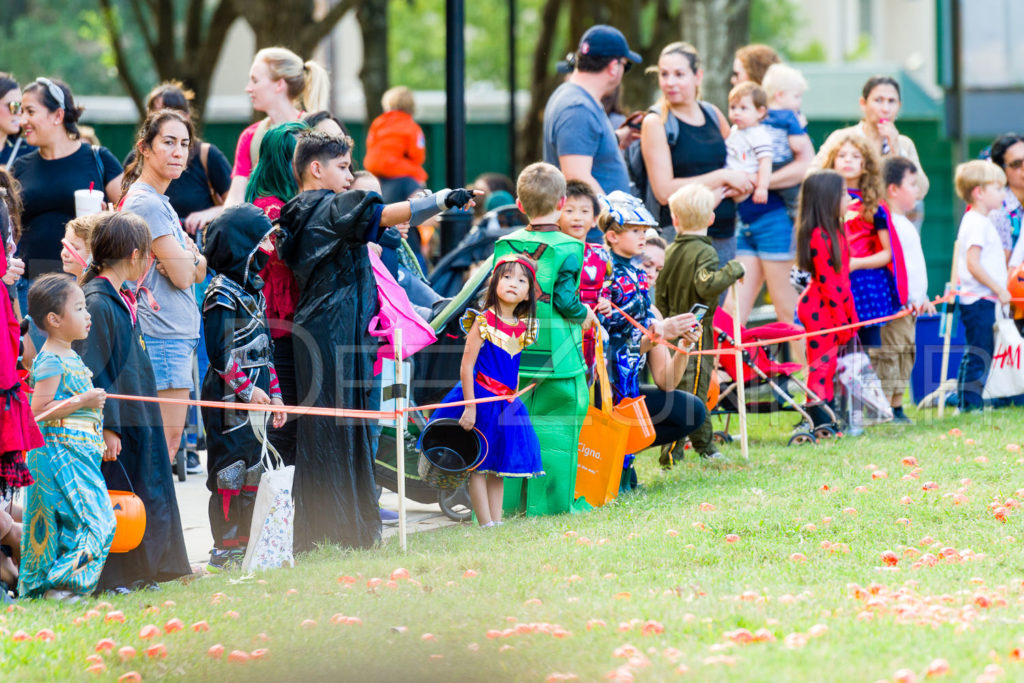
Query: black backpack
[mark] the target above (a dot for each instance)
(635, 157)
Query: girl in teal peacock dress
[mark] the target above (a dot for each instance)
(69, 523)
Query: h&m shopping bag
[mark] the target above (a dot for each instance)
(273, 515)
(1005, 376)
(602, 446)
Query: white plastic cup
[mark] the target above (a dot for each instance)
(88, 202)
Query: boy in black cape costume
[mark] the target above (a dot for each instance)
(116, 354)
(241, 369)
(325, 244)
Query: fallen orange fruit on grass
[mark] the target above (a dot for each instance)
(938, 667)
(798, 557)
(849, 511)
(347, 579)
(46, 635)
(238, 656)
(94, 659)
(308, 623)
(879, 474)
(127, 652)
(215, 651)
(200, 626)
(706, 507)
(116, 615)
(148, 631)
(469, 574)
(173, 625)
(259, 653)
(428, 636)
(130, 677)
(104, 644)
(904, 675)
(731, 538)
(231, 614)
(97, 668)
(890, 559)
(400, 574)
(20, 636)
(909, 461)
(158, 650)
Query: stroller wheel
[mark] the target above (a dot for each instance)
(802, 438)
(722, 437)
(180, 459)
(825, 432)
(455, 504)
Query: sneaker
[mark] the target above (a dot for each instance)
(714, 455)
(192, 464)
(900, 418)
(388, 516)
(224, 560)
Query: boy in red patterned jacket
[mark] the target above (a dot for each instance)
(579, 216)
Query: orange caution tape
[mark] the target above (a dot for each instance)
(318, 411)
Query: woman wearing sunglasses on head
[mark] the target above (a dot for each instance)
(12, 144)
(50, 175)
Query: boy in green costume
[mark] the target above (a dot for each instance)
(558, 403)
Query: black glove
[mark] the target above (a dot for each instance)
(457, 198)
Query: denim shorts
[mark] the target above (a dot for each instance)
(769, 237)
(172, 361)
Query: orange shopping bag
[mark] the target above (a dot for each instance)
(633, 413)
(602, 446)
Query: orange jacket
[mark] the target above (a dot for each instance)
(395, 147)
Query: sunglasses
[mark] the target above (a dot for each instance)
(14, 107)
(1015, 164)
(626, 66)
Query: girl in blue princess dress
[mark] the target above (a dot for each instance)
(490, 367)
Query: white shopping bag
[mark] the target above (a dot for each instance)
(867, 402)
(1005, 376)
(273, 516)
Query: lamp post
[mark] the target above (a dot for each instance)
(455, 224)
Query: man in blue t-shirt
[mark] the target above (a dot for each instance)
(578, 137)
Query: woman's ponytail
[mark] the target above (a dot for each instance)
(317, 90)
(90, 273)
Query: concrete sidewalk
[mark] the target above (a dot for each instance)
(193, 502)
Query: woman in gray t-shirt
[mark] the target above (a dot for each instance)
(167, 309)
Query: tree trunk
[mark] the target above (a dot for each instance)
(373, 23)
(717, 28)
(543, 80)
(191, 60)
(294, 24)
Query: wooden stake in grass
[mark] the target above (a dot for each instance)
(400, 400)
(741, 398)
(948, 324)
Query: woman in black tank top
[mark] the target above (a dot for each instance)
(698, 153)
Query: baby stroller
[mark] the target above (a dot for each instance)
(769, 384)
(435, 371)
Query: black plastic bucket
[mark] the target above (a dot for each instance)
(448, 453)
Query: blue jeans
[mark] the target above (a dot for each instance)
(978, 319)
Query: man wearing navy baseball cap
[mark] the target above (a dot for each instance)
(578, 137)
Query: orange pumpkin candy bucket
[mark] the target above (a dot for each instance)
(130, 513)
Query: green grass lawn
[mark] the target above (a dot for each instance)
(650, 587)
